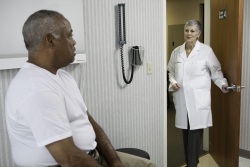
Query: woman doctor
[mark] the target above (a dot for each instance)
(191, 68)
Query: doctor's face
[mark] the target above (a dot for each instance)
(191, 34)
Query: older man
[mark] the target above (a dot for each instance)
(47, 120)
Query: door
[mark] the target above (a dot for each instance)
(226, 41)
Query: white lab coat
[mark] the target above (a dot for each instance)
(194, 74)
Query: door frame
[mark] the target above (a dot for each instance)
(164, 13)
(207, 22)
(207, 12)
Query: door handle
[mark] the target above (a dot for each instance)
(236, 87)
(232, 87)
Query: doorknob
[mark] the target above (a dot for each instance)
(232, 87)
(235, 88)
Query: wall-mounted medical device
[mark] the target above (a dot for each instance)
(136, 52)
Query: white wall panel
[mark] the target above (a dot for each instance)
(245, 94)
(132, 115)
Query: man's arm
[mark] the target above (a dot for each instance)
(104, 145)
(67, 154)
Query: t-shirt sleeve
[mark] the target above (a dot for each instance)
(46, 116)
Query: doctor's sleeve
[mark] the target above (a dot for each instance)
(171, 70)
(215, 69)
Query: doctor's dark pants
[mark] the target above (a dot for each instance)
(192, 142)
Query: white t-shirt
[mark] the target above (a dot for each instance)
(42, 108)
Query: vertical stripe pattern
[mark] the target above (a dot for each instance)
(131, 115)
(245, 94)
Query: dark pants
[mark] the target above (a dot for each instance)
(192, 141)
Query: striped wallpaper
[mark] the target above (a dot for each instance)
(132, 115)
(245, 95)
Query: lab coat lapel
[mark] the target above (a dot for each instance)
(183, 52)
(192, 55)
(195, 50)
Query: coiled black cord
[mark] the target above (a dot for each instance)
(122, 37)
(123, 73)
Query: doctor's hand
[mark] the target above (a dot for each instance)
(224, 88)
(176, 87)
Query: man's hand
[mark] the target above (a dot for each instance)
(224, 88)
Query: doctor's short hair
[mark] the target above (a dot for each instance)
(193, 22)
(40, 24)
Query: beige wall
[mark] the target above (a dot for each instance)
(179, 11)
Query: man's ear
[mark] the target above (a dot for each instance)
(49, 39)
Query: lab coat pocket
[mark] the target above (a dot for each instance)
(202, 99)
(198, 68)
(176, 99)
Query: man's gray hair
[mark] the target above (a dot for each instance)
(40, 24)
(193, 23)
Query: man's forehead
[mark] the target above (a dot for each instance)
(67, 25)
